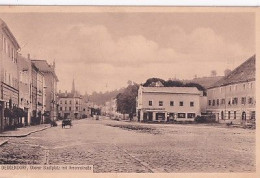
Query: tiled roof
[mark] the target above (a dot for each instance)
(206, 82)
(243, 73)
(43, 66)
(177, 90)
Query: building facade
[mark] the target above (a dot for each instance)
(9, 88)
(71, 105)
(168, 103)
(49, 89)
(232, 99)
(25, 71)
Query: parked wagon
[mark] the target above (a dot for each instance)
(66, 122)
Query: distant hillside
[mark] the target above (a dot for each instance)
(206, 82)
(102, 98)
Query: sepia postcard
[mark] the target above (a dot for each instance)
(168, 91)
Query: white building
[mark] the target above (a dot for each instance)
(169, 103)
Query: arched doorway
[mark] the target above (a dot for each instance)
(243, 116)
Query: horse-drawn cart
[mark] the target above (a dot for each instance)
(66, 122)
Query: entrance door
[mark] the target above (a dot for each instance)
(145, 117)
(150, 116)
(222, 115)
(243, 116)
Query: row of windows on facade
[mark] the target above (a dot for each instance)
(183, 115)
(10, 80)
(231, 101)
(70, 102)
(180, 115)
(11, 52)
(65, 108)
(181, 103)
(233, 88)
(233, 115)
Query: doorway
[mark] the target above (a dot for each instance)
(150, 116)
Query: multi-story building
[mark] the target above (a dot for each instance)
(34, 72)
(232, 99)
(70, 104)
(40, 96)
(24, 67)
(8, 73)
(168, 103)
(49, 89)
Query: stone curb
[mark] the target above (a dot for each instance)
(26, 134)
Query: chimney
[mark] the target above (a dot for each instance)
(29, 56)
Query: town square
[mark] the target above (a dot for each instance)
(129, 92)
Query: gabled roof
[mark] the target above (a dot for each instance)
(206, 82)
(8, 32)
(243, 73)
(43, 66)
(172, 90)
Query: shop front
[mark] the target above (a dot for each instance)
(152, 114)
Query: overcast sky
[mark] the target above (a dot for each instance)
(102, 51)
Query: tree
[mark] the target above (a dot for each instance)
(227, 71)
(153, 80)
(173, 83)
(126, 100)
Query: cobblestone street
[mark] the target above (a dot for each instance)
(115, 146)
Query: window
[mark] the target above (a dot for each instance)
(229, 114)
(70, 101)
(65, 101)
(160, 103)
(171, 103)
(60, 108)
(243, 100)
(70, 108)
(250, 100)
(213, 103)
(235, 114)
(181, 115)
(181, 103)
(60, 102)
(150, 103)
(77, 102)
(217, 102)
(229, 101)
(252, 115)
(209, 102)
(235, 101)
(191, 104)
(65, 108)
(223, 101)
(190, 115)
(77, 108)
